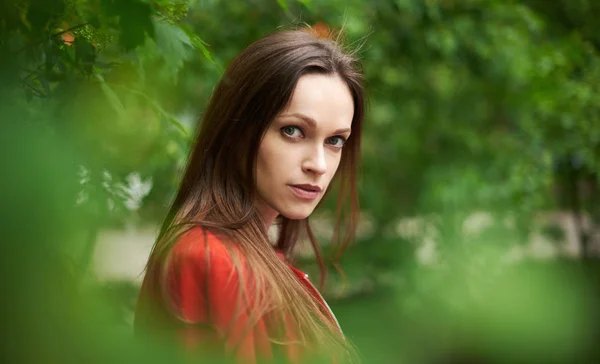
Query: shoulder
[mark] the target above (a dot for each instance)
(199, 244)
(201, 257)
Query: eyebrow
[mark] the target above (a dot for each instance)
(312, 123)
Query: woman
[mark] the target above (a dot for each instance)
(282, 124)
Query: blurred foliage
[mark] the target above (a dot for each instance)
(474, 106)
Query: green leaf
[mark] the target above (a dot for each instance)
(111, 96)
(283, 4)
(198, 43)
(135, 20)
(173, 45)
(170, 118)
(159, 110)
(70, 52)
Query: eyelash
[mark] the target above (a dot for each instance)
(344, 140)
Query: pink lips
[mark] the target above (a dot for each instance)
(306, 192)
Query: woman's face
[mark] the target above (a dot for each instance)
(301, 149)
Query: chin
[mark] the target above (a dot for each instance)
(297, 214)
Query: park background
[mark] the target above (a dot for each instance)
(479, 237)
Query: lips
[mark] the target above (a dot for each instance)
(306, 192)
(308, 187)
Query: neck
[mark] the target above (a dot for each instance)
(267, 213)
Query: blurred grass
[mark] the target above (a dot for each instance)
(533, 312)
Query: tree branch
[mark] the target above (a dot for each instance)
(52, 36)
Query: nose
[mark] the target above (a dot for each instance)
(315, 161)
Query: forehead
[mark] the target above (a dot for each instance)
(324, 98)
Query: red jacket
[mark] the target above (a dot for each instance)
(206, 293)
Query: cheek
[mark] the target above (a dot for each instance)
(262, 168)
(268, 160)
(334, 164)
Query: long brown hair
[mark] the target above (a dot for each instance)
(218, 189)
